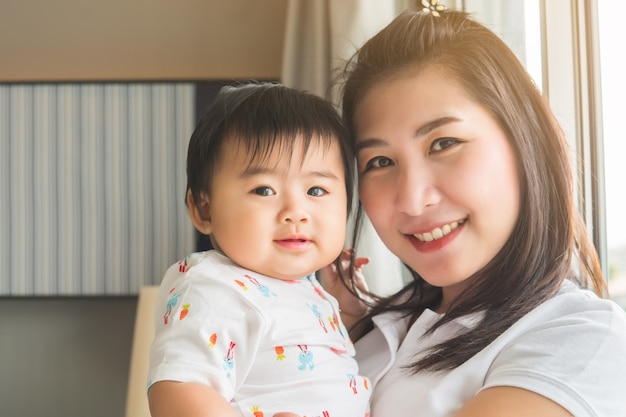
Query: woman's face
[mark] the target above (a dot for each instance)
(437, 176)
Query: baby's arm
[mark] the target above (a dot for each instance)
(187, 399)
(352, 307)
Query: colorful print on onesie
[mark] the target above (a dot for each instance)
(265, 344)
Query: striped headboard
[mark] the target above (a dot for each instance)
(92, 182)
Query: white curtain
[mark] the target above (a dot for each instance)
(320, 36)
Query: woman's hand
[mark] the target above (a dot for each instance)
(352, 307)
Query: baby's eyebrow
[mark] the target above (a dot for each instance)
(253, 170)
(323, 174)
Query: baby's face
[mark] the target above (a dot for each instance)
(285, 216)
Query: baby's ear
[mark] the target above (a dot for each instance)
(200, 213)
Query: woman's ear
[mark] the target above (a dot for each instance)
(200, 213)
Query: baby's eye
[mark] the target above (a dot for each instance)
(264, 191)
(316, 191)
(378, 162)
(442, 144)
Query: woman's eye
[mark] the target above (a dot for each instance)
(378, 162)
(316, 191)
(442, 144)
(264, 191)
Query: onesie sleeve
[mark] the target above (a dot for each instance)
(205, 331)
(575, 357)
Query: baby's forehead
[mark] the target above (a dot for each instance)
(296, 158)
(267, 149)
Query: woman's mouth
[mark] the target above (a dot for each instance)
(438, 232)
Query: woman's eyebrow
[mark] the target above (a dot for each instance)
(434, 124)
(370, 143)
(421, 131)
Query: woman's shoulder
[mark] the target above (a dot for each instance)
(559, 347)
(573, 327)
(577, 310)
(572, 300)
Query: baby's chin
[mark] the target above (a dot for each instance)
(280, 274)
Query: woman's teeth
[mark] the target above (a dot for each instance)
(437, 232)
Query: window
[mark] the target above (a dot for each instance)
(612, 33)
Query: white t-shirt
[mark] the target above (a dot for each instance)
(265, 344)
(571, 349)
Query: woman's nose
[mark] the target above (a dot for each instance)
(416, 192)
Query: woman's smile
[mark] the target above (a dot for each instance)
(437, 238)
(438, 232)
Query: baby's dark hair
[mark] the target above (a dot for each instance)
(264, 117)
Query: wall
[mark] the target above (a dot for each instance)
(71, 40)
(65, 357)
(69, 357)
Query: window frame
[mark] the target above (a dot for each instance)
(572, 84)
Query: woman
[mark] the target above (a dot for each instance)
(464, 174)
